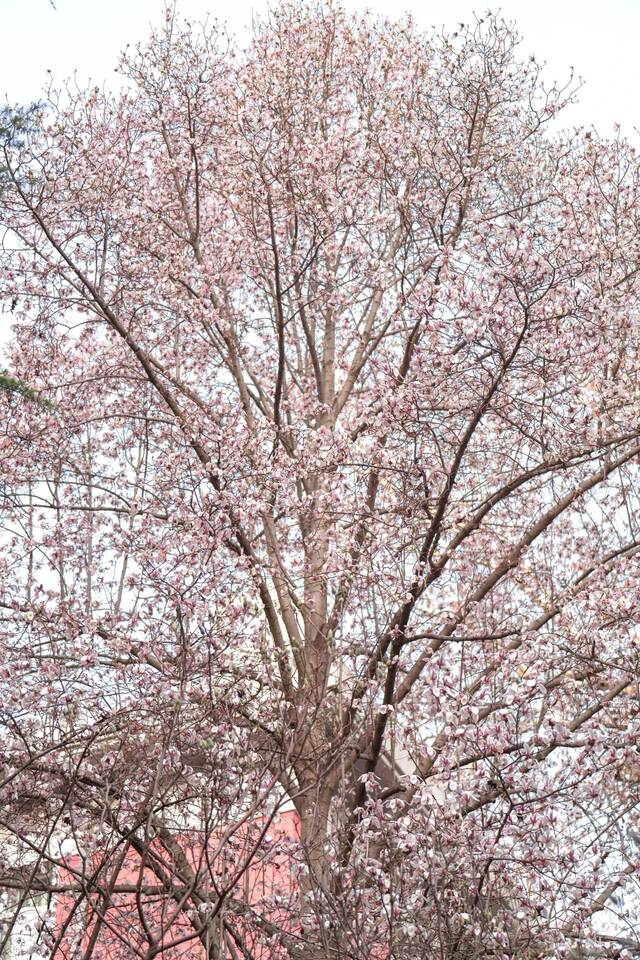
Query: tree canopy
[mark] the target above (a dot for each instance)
(337, 509)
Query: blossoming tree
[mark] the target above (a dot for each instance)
(332, 504)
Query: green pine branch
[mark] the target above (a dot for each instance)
(12, 385)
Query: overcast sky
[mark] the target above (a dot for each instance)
(600, 38)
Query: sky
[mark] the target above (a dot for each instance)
(599, 38)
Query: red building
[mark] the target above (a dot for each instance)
(132, 906)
